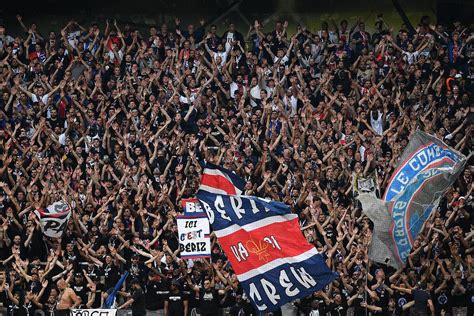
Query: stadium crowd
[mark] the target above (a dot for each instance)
(116, 123)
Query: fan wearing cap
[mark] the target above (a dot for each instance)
(137, 269)
(136, 300)
(176, 303)
(79, 286)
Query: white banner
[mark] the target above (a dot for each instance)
(54, 218)
(193, 230)
(93, 312)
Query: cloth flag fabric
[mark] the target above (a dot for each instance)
(263, 241)
(426, 171)
(423, 152)
(216, 179)
(110, 301)
(364, 184)
(54, 218)
(193, 230)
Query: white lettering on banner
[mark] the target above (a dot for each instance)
(240, 252)
(414, 164)
(291, 289)
(303, 277)
(271, 291)
(272, 241)
(286, 283)
(193, 231)
(430, 151)
(400, 205)
(94, 312)
(193, 207)
(255, 209)
(256, 297)
(402, 178)
(430, 154)
(236, 204)
(219, 205)
(397, 191)
(423, 158)
(209, 212)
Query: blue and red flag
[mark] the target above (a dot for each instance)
(216, 179)
(269, 254)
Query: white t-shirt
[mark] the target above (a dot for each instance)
(362, 153)
(283, 60)
(43, 98)
(184, 99)
(411, 57)
(377, 124)
(255, 93)
(72, 38)
(293, 105)
(234, 86)
(222, 55)
(112, 55)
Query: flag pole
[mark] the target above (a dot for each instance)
(366, 287)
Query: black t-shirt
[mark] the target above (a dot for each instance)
(358, 310)
(442, 300)
(156, 292)
(402, 299)
(459, 299)
(386, 312)
(237, 310)
(208, 302)
(12, 309)
(49, 308)
(175, 303)
(335, 309)
(421, 298)
(21, 309)
(138, 305)
(383, 295)
(81, 290)
(112, 275)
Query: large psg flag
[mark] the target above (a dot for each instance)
(427, 169)
(263, 241)
(216, 179)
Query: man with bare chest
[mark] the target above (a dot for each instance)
(67, 299)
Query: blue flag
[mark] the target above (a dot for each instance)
(111, 298)
(269, 254)
(427, 169)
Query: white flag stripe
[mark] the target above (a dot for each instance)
(217, 172)
(255, 225)
(275, 264)
(212, 189)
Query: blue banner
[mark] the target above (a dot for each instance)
(423, 152)
(427, 169)
(269, 254)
